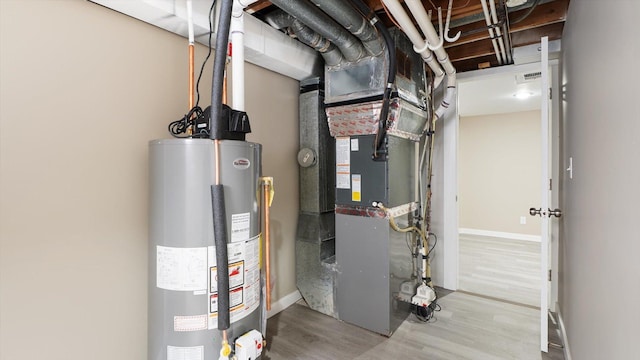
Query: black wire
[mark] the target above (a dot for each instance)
(208, 54)
(434, 243)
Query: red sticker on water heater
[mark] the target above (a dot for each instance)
(241, 163)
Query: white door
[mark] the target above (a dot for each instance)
(545, 195)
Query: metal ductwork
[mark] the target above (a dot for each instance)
(353, 21)
(352, 49)
(330, 53)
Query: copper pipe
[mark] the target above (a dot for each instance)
(216, 144)
(224, 88)
(266, 190)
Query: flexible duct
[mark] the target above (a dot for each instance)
(280, 19)
(353, 21)
(351, 48)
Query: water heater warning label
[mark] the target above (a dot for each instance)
(244, 280)
(240, 227)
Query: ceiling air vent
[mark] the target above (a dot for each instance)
(528, 77)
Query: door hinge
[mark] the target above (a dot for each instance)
(549, 274)
(550, 184)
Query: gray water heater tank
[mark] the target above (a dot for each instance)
(182, 315)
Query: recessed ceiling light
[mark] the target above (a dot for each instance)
(523, 95)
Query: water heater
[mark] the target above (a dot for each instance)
(183, 294)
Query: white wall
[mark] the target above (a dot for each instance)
(83, 90)
(600, 279)
(499, 172)
(444, 212)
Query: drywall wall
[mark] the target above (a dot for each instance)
(499, 172)
(83, 90)
(600, 271)
(444, 206)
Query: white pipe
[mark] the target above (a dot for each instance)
(494, 17)
(237, 56)
(446, 27)
(190, 22)
(421, 16)
(441, 35)
(491, 34)
(420, 45)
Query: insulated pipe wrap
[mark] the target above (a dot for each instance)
(280, 19)
(353, 21)
(222, 262)
(310, 15)
(222, 39)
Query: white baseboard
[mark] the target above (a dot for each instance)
(500, 234)
(563, 336)
(283, 303)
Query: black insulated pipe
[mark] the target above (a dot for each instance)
(323, 24)
(222, 258)
(222, 40)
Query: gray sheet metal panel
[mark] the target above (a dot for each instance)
(374, 175)
(401, 171)
(315, 261)
(317, 182)
(180, 174)
(371, 266)
(388, 181)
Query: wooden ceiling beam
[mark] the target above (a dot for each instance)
(471, 50)
(548, 13)
(258, 5)
(532, 36)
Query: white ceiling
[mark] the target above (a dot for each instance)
(491, 91)
(495, 95)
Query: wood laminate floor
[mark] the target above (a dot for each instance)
(500, 268)
(467, 327)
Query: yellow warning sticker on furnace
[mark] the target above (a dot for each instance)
(355, 188)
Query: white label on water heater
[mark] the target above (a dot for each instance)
(190, 323)
(181, 269)
(240, 227)
(343, 163)
(185, 353)
(244, 280)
